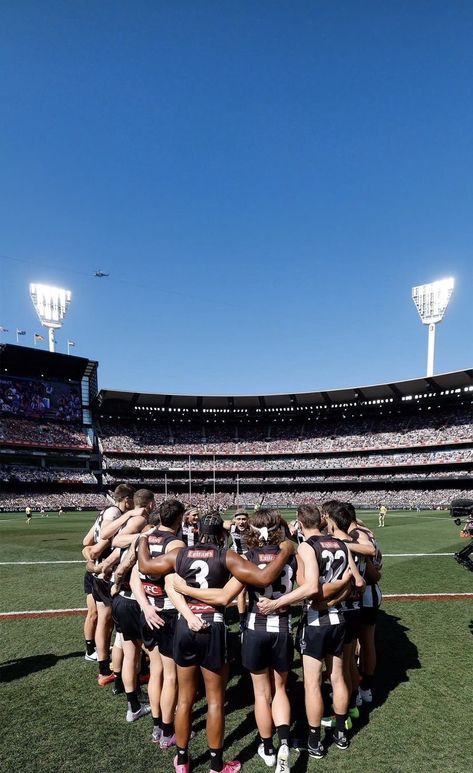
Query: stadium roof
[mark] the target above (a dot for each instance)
(39, 363)
(110, 400)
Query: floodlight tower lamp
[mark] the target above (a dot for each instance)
(431, 301)
(51, 304)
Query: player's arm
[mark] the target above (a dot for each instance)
(153, 620)
(124, 567)
(329, 590)
(363, 546)
(89, 537)
(156, 567)
(195, 623)
(307, 590)
(372, 573)
(250, 574)
(360, 584)
(214, 596)
(127, 535)
(92, 552)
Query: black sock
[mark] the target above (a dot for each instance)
(90, 646)
(216, 759)
(242, 616)
(283, 734)
(268, 745)
(314, 736)
(182, 755)
(167, 728)
(132, 699)
(340, 722)
(104, 667)
(119, 681)
(366, 681)
(156, 721)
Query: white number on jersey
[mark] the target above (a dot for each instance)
(202, 570)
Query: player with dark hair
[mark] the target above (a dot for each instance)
(324, 560)
(267, 648)
(96, 549)
(206, 565)
(342, 525)
(155, 598)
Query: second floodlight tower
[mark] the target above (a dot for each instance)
(51, 304)
(431, 302)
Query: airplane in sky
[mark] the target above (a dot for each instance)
(100, 274)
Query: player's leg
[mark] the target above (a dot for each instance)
(154, 691)
(263, 692)
(314, 705)
(281, 710)
(187, 679)
(102, 640)
(131, 658)
(90, 625)
(168, 701)
(341, 695)
(215, 682)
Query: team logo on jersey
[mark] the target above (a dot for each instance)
(200, 553)
(153, 590)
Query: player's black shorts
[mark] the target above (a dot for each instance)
(264, 649)
(101, 591)
(163, 637)
(369, 615)
(206, 648)
(318, 641)
(88, 583)
(352, 625)
(126, 615)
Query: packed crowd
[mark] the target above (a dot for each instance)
(11, 473)
(25, 432)
(291, 437)
(290, 463)
(10, 502)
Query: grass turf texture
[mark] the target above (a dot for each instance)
(50, 692)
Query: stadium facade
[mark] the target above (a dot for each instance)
(65, 441)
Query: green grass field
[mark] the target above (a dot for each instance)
(56, 718)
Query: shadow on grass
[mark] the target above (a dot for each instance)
(17, 669)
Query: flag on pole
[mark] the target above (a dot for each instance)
(71, 343)
(3, 329)
(38, 337)
(20, 332)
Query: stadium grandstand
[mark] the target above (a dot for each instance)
(64, 442)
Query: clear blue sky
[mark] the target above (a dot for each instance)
(264, 181)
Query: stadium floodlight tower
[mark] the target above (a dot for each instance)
(51, 304)
(431, 302)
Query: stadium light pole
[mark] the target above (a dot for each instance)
(431, 301)
(51, 304)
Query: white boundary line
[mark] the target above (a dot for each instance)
(415, 555)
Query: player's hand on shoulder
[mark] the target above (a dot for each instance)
(288, 546)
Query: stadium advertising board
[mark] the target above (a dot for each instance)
(40, 398)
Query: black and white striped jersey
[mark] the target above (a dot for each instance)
(115, 512)
(189, 534)
(280, 622)
(332, 559)
(372, 595)
(239, 539)
(203, 566)
(154, 586)
(353, 603)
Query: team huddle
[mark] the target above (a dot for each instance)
(164, 578)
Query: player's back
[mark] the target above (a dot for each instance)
(280, 621)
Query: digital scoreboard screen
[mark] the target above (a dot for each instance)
(36, 398)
